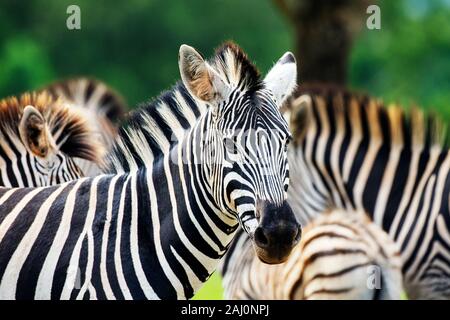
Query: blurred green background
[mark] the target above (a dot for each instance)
(133, 45)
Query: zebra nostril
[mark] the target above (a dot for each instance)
(260, 238)
(284, 236)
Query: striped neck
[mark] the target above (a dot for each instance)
(197, 233)
(357, 154)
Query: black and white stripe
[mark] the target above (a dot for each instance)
(158, 223)
(356, 154)
(42, 140)
(101, 105)
(106, 106)
(342, 255)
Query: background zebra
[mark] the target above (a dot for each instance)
(342, 255)
(103, 107)
(119, 238)
(39, 139)
(353, 153)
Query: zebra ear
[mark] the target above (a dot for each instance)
(282, 78)
(202, 81)
(300, 116)
(34, 133)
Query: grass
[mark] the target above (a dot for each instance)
(211, 290)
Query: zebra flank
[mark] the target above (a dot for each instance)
(41, 138)
(356, 154)
(178, 184)
(342, 255)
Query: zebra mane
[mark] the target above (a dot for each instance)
(233, 65)
(419, 128)
(68, 127)
(156, 126)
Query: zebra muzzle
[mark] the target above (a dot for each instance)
(277, 234)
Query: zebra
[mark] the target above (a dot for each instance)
(352, 152)
(176, 189)
(104, 108)
(41, 139)
(342, 255)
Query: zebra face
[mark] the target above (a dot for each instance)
(250, 173)
(56, 168)
(42, 161)
(246, 145)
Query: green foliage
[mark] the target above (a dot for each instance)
(408, 60)
(212, 290)
(19, 56)
(132, 45)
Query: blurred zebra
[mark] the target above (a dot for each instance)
(342, 255)
(158, 223)
(351, 152)
(41, 139)
(103, 107)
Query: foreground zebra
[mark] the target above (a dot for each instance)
(341, 255)
(354, 153)
(41, 139)
(157, 225)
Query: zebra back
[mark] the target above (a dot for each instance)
(39, 138)
(351, 151)
(342, 255)
(103, 105)
(104, 108)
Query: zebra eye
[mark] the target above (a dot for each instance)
(288, 140)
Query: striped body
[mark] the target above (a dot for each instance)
(144, 251)
(98, 238)
(356, 154)
(341, 255)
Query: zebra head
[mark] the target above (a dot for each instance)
(245, 143)
(42, 140)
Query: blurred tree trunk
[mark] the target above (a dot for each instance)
(324, 30)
